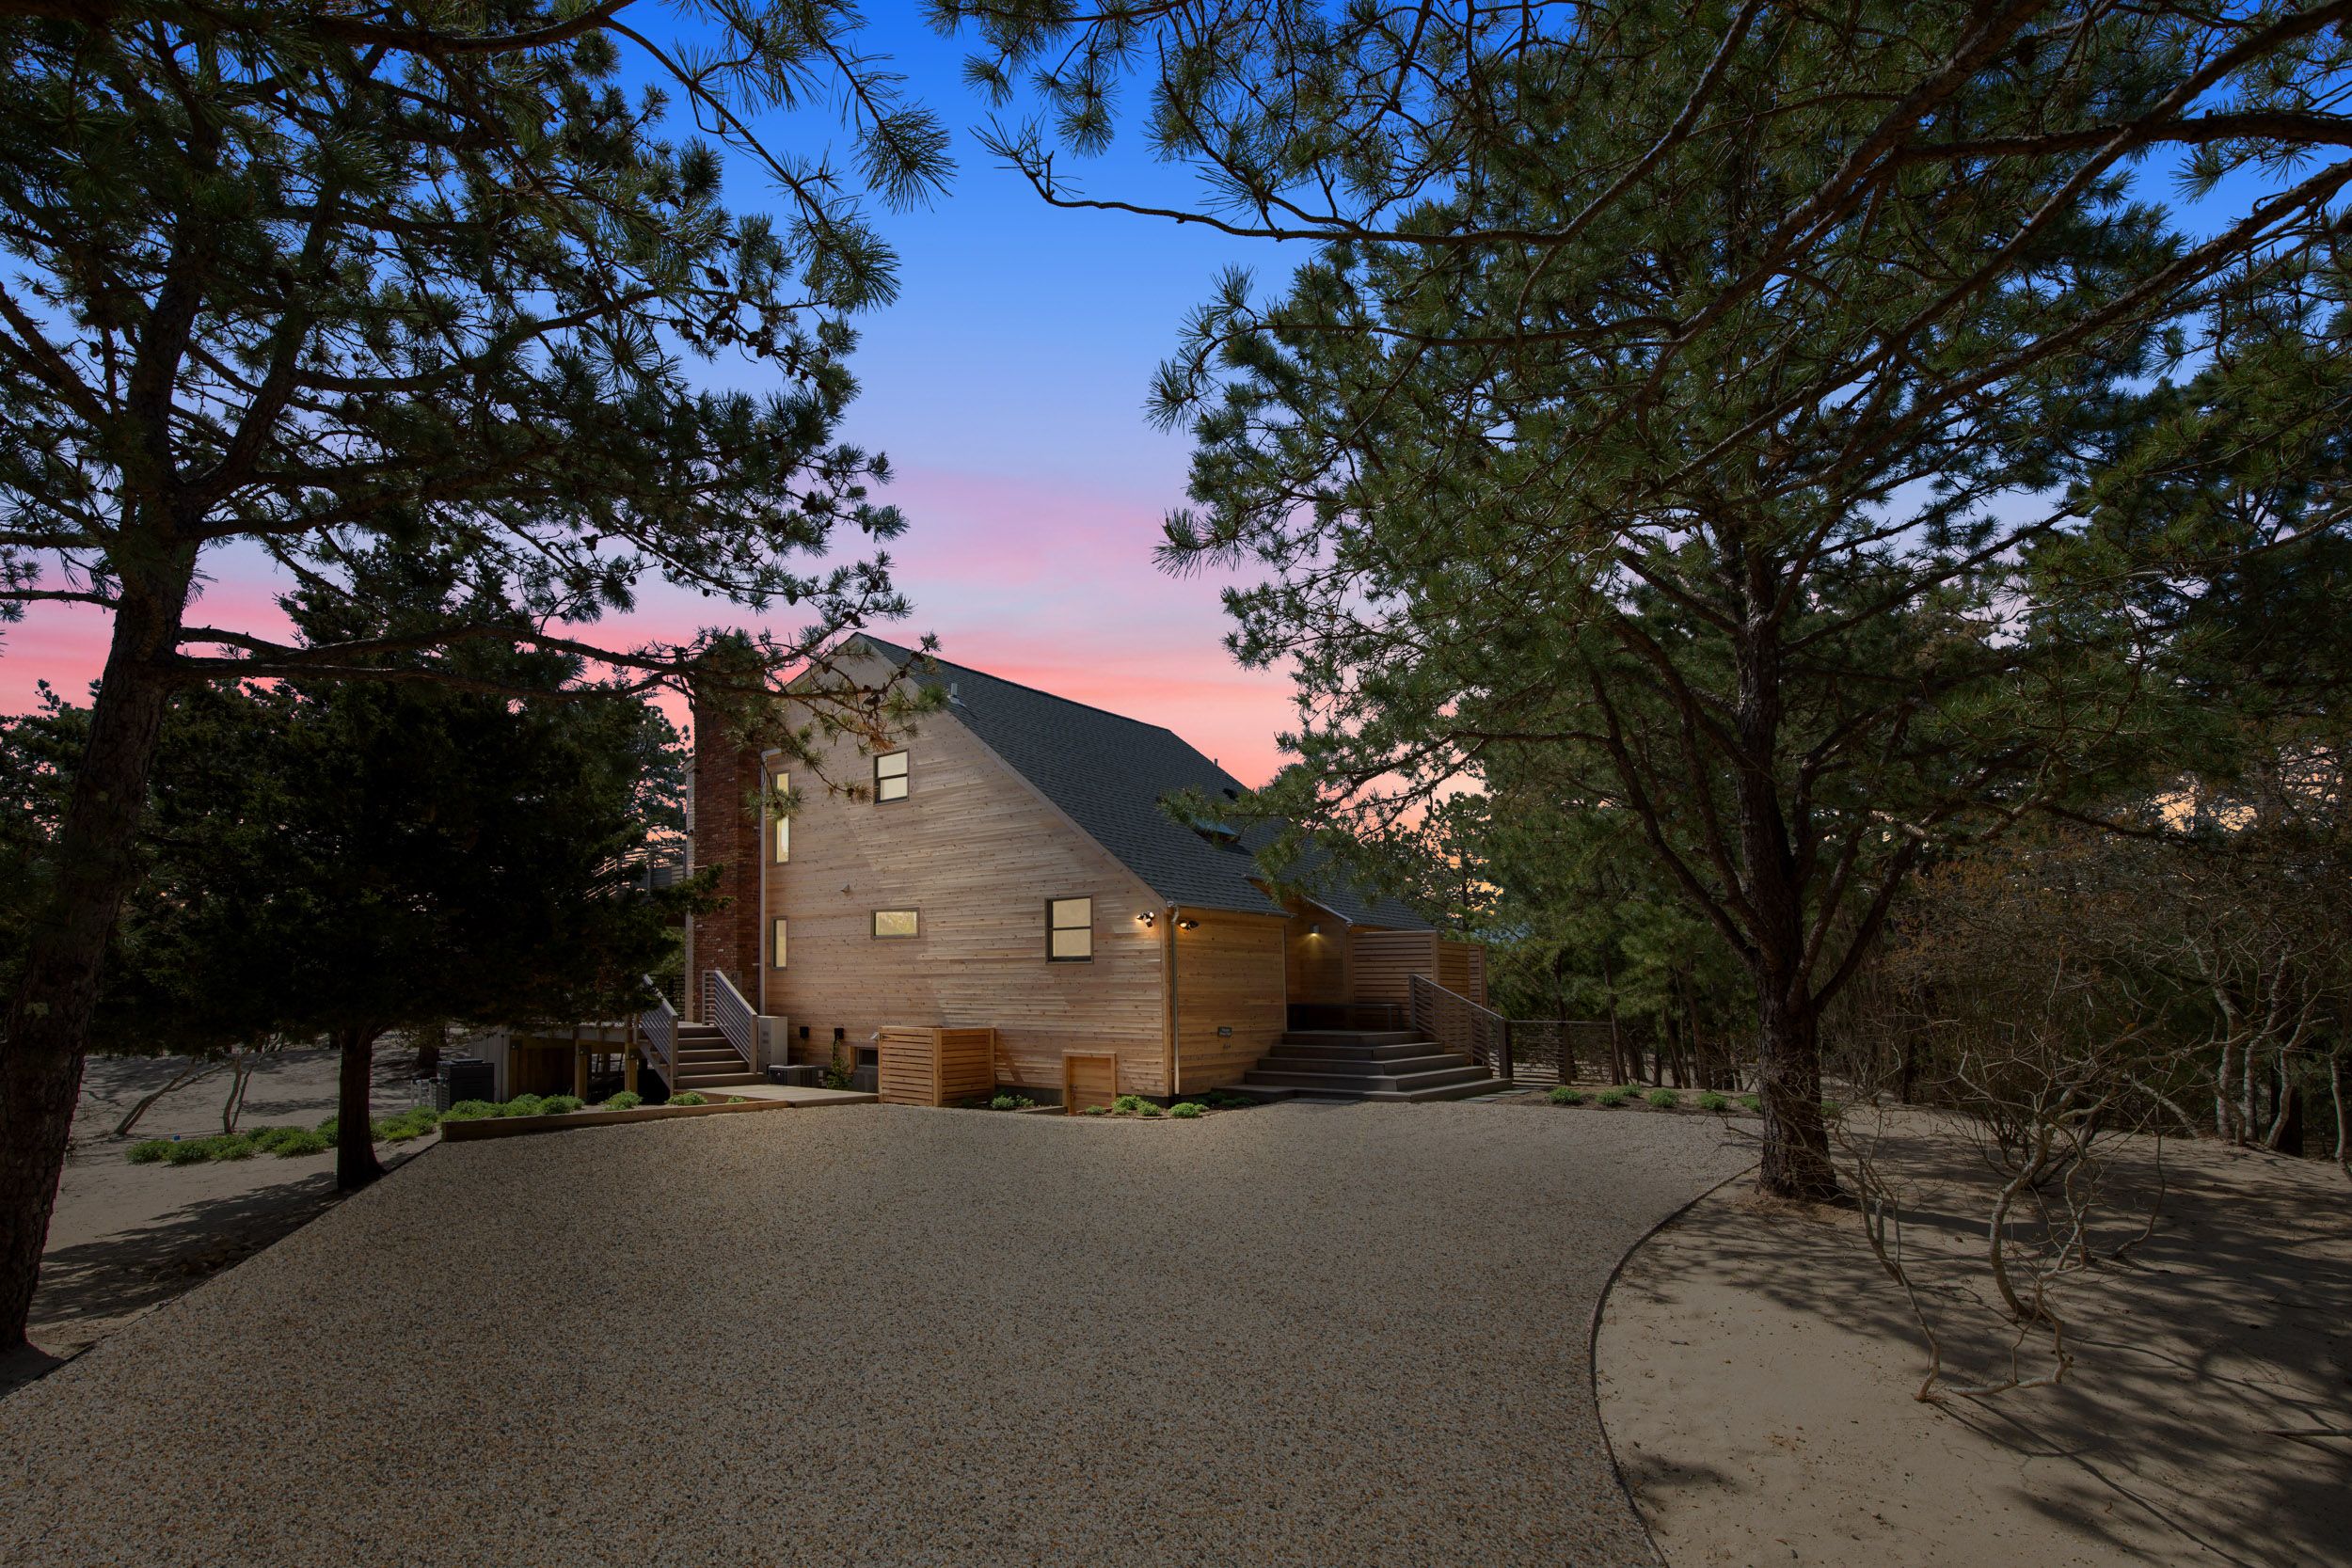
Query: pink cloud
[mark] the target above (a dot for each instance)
(1046, 582)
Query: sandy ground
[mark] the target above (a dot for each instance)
(1756, 1368)
(126, 1238)
(1344, 1334)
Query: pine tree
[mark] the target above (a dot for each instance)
(308, 280)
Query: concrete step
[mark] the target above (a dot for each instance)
(1404, 1050)
(1428, 1059)
(1369, 1083)
(1349, 1036)
(700, 1082)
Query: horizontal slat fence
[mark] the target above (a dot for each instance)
(935, 1066)
(1386, 962)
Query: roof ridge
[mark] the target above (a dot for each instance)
(1039, 691)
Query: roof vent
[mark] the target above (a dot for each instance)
(953, 696)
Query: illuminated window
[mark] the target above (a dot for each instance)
(894, 923)
(890, 776)
(780, 841)
(775, 950)
(1069, 930)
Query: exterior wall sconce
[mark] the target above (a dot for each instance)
(1187, 925)
(1146, 919)
(1314, 930)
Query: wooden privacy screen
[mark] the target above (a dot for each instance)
(1088, 1077)
(936, 1067)
(1386, 960)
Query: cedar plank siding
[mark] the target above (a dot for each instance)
(978, 852)
(1316, 965)
(1228, 973)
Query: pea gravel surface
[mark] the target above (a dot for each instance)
(1303, 1334)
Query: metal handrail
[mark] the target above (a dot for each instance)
(659, 1024)
(724, 1006)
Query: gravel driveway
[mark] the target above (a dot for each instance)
(1298, 1335)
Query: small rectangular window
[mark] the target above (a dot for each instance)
(890, 776)
(1069, 930)
(894, 923)
(780, 841)
(775, 945)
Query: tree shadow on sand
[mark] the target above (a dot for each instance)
(2231, 1324)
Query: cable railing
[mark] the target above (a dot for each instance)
(724, 1006)
(658, 1025)
(1541, 1048)
(1460, 1024)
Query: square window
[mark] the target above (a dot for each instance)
(895, 923)
(775, 947)
(1069, 930)
(890, 776)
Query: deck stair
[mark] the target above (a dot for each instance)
(706, 1061)
(1361, 1064)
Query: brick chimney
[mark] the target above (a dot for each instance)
(726, 835)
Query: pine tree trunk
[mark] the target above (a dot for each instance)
(355, 1163)
(1789, 1079)
(97, 867)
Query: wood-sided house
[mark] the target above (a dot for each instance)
(1014, 870)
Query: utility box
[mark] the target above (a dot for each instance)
(464, 1078)
(773, 1041)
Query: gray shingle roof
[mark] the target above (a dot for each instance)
(1108, 774)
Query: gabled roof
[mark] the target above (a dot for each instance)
(1108, 774)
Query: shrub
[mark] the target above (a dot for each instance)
(469, 1110)
(148, 1151)
(407, 1125)
(1011, 1103)
(1225, 1100)
(1184, 1109)
(293, 1141)
(1091, 1111)
(1130, 1106)
(1710, 1100)
(689, 1097)
(188, 1152)
(628, 1099)
(1613, 1098)
(1755, 1103)
(1567, 1096)
(523, 1105)
(562, 1104)
(1663, 1100)
(1832, 1109)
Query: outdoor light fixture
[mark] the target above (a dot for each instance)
(1187, 925)
(1146, 918)
(1315, 930)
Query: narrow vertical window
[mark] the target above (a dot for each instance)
(890, 776)
(780, 835)
(1069, 930)
(775, 945)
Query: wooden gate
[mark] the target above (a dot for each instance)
(1088, 1077)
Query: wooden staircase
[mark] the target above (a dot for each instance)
(706, 1061)
(1364, 1064)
